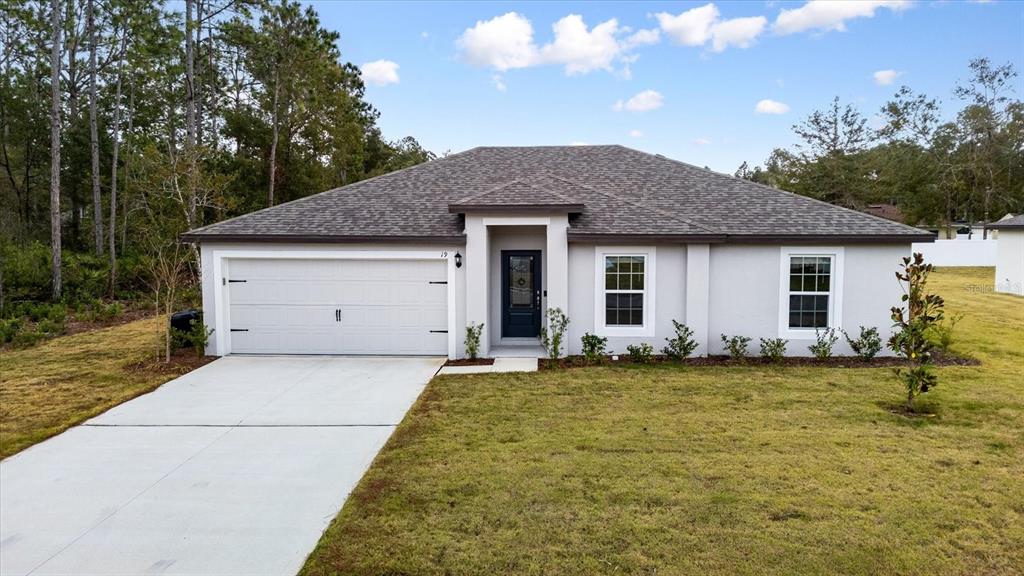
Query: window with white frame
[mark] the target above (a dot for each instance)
(624, 289)
(624, 286)
(810, 291)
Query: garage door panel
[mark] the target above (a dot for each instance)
(387, 306)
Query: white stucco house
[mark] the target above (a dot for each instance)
(1009, 254)
(622, 241)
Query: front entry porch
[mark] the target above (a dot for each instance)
(516, 269)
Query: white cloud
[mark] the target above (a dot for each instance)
(739, 32)
(582, 50)
(770, 107)
(380, 72)
(642, 102)
(503, 42)
(698, 26)
(506, 42)
(642, 38)
(578, 143)
(886, 77)
(825, 15)
(499, 82)
(690, 28)
(636, 134)
(702, 141)
(424, 34)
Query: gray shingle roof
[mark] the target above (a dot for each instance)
(1015, 222)
(518, 194)
(625, 193)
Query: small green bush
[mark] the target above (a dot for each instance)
(195, 337)
(867, 345)
(50, 327)
(551, 336)
(941, 333)
(472, 341)
(640, 353)
(824, 341)
(27, 338)
(774, 349)
(682, 345)
(736, 346)
(594, 347)
(9, 329)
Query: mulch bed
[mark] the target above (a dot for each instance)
(182, 362)
(833, 362)
(468, 362)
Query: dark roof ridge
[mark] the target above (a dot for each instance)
(640, 204)
(767, 188)
(516, 181)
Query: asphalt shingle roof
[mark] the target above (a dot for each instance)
(1015, 222)
(625, 192)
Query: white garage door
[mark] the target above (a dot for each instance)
(290, 306)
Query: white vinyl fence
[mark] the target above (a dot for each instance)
(958, 252)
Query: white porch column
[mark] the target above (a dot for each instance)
(477, 273)
(557, 268)
(698, 295)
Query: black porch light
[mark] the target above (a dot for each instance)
(458, 260)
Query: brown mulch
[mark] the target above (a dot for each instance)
(833, 362)
(182, 362)
(468, 362)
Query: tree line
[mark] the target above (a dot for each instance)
(935, 170)
(124, 123)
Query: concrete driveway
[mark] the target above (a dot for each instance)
(235, 468)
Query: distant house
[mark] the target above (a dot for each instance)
(1010, 254)
(887, 211)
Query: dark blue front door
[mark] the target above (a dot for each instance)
(520, 293)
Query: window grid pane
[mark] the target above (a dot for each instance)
(810, 281)
(624, 290)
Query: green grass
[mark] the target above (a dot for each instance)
(46, 389)
(671, 470)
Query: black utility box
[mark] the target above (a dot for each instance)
(182, 321)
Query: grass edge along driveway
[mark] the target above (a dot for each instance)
(57, 384)
(669, 470)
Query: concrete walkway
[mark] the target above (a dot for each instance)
(235, 468)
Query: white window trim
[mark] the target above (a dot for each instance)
(835, 295)
(650, 267)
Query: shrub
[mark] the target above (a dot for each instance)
(9, 329)
(195, 337)
(27, 338)
(50, 327)
(912, 325)
(773, 349)
(867, 345)
(736, 346)
(941, 333)
(640, 353)
(594, 346)
(551, 336)
(682, 345)
(472, 342)
(826, 339)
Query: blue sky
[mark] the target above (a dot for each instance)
(472, 74)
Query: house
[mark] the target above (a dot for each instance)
(622, 241)
(1010, 254)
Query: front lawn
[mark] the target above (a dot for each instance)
(714, 470)
(64, 381)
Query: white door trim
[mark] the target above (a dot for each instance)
(221, 296)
